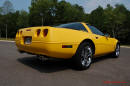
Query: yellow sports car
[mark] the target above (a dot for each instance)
(78, 40)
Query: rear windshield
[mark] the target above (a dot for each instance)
(75, 26)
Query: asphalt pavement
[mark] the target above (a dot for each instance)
(26, 70)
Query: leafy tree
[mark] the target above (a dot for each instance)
(54, 12)
(40, 7)
(112, 20)
(22, 20)
(69, 13)
(0, 10)
(109, 20)
(96, 18)
(120, 18)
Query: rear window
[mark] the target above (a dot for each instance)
(75, 26)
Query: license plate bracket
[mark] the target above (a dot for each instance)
(27, 40)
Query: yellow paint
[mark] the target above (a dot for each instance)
(51, 45)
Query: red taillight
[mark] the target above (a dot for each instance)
(38, 32)
(45, 32)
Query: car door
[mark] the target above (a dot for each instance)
(101, 42)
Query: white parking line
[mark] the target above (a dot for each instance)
(6, 41)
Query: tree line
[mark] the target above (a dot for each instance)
(112, 20)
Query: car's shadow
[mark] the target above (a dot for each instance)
(50, 66)
(47, 66)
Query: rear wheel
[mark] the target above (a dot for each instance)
(83, 56)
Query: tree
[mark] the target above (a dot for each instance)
(22, 20)
(7, 7)
(1, 10)
(40, 7)
(120, 17)
(69, 13)
(109, 20)
(112, 20)
(54, 12)
(96, 18)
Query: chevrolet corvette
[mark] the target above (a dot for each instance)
(78, 41)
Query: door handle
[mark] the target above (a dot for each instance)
(96, 37)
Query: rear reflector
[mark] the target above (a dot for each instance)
(66, 46)
(45, 32)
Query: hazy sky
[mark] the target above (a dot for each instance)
(88, 5)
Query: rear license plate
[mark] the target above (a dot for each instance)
(27, 40)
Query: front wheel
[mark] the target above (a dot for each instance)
(83, 56)
(117, 51)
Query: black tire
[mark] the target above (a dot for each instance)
(116, 53)
(83, 56)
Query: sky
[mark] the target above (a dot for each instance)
(18, 4)
(88, 5)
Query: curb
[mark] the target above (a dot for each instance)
(6, 41)
(125, 46)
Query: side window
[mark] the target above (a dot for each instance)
(75, 26)
(95, 30)
(80, 27)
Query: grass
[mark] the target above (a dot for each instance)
(9, 39)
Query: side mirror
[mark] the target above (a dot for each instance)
(107, 35)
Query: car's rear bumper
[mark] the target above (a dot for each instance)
(52, 49)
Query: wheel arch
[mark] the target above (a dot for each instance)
(116, 42)
(90, 41)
